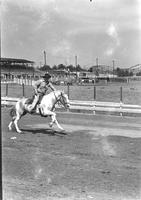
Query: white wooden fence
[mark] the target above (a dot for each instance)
(90, 106)
(20, 81)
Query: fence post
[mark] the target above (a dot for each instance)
(94, 93)
(23, 90)
(6, 89)
(94, 99)
(68, 90)
(121, 100)
(121, 94)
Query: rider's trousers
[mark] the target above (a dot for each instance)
(35, 101)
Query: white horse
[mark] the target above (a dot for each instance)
(46, 108)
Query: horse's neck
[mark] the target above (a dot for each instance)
(51, 97)
(56, 94)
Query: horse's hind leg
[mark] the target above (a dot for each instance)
(16, 123)
(10, 125)
(13, 115)
(16, 113)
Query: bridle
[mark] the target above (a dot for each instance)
(59, 99)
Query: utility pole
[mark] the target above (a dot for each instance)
(40, 64)
(96, 66)
(45, 62)
(1, 143)
(76, 66)
(113, 67)
(76, 61)
(97, 62)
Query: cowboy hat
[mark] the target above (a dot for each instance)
(47, 76)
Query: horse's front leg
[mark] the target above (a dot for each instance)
(54, 120)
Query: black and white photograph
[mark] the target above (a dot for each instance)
(70, 99)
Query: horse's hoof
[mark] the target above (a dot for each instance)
(19, 131)
(61, 129)
(10, 129)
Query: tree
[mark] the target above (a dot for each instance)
(71, 68)
(123, 72)
(138, 74)
(55, 67)
(61, 66)
(45, 68)
(90, 69)
(78, 68)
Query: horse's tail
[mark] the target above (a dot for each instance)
(13, 112)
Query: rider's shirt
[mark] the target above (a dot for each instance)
(41, 86)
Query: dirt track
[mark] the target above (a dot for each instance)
(97, 158)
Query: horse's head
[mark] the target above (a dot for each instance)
(64, 100)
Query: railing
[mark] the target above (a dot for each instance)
(20, 81)
(92, 107)
(68, 91)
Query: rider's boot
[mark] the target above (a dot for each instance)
(29, 108)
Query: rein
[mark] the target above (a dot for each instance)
(57, 100)
(55, 97)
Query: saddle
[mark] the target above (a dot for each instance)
(30, 101)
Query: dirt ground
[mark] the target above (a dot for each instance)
(96, 158)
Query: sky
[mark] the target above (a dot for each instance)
(104, 29)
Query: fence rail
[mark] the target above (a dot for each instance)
(68, 91)
(90, 106)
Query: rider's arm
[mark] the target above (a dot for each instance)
(51, 86)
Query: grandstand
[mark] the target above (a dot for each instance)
(11, 67)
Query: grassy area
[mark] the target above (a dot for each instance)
(106, 92)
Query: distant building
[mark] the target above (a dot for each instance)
(102, 69)
(84, 75)
(135, 69)
(11, 67)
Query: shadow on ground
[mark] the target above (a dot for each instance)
(44, 131)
